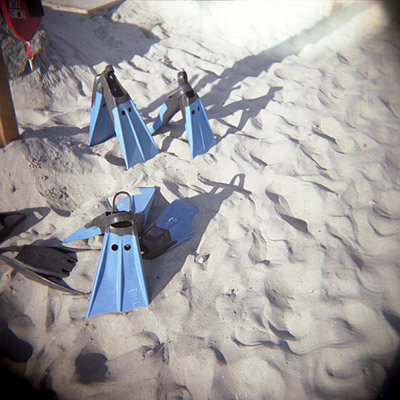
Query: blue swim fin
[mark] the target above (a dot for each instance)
(198, 129)
(101, 125)
(119, 284)
(173, 227)
(141, 204)
(161, 119)
(200, 135)
(113, 112)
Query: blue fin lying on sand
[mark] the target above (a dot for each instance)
(119, 284)
(198, 129)
(114, 113)
(141, 204)
(173, 227)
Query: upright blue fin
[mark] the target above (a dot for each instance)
(159, 122)
(136, 142)
(101, 126)
(198, 129)
(173, 227)
(114, 113)
(140, 202)
(200, 135)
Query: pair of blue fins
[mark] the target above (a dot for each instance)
(114, 113)
(119, 284)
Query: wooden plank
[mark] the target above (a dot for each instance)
(88, 7)
(8, 121)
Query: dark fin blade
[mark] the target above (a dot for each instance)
(49, 281)
(51, 261)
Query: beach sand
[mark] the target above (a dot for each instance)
(290, 287)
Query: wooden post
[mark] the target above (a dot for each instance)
(8, 121)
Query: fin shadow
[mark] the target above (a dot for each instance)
(114, 160)
(33, 217)
(392, 8)
(160, 271)
(174, 133)
(254, 65)
(251, 109)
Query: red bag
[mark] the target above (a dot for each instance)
(23, 17)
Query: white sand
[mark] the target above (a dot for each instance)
(290, 288)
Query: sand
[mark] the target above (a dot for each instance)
(290, 287)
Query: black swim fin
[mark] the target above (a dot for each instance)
(42, 264)
(198, 129)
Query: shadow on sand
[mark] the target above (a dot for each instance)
(161, 270)
(252, 66)
(90, 40)
(33, 217)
